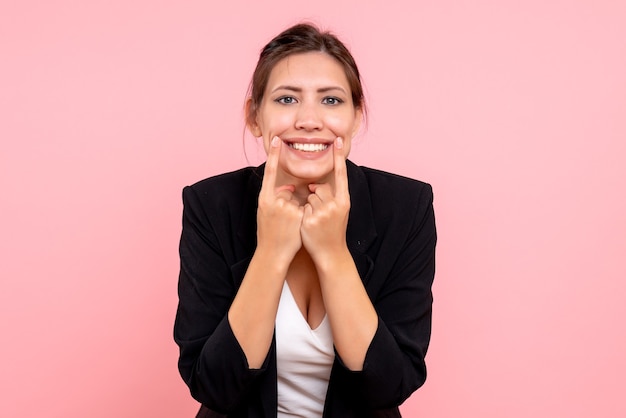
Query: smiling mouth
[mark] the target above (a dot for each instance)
(308, 147)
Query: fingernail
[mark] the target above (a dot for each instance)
(275, 141)
(339, 143)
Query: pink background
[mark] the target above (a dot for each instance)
(514, 111)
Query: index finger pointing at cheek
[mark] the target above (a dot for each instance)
(271, 165)
(341, 176)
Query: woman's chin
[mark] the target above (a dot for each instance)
(311, 172)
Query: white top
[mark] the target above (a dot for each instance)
(304, 357)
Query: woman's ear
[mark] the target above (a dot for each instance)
(251, 122)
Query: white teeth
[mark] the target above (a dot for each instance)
(309, 147)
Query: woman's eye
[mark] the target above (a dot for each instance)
(333, 101)
(286, 100)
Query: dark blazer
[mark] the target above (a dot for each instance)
(391, 236)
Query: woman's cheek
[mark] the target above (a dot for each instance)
(341, 125)
(347, 146)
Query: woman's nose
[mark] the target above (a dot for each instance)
(308, 118)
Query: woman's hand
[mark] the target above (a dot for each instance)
(252, 314)
(279, 215)
(352, 317)
(326, 212)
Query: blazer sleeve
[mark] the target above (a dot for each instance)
(211, 362)
(394, 365)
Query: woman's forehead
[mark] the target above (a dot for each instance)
(308, 70)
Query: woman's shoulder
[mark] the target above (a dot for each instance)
(233, 179)
(230, 190)
(390, 184)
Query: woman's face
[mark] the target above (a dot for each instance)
(308, 104)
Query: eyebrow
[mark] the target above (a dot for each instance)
(299, 89)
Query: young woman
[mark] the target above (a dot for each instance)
(305, 283)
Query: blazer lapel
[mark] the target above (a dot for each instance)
(361, 231)
(247, 223)
(246, 231)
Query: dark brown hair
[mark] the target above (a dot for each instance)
(298, 39)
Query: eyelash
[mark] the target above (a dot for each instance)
(337, 100)
(282, 99)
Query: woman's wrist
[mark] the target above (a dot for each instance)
(273, 258)
(331, 261)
